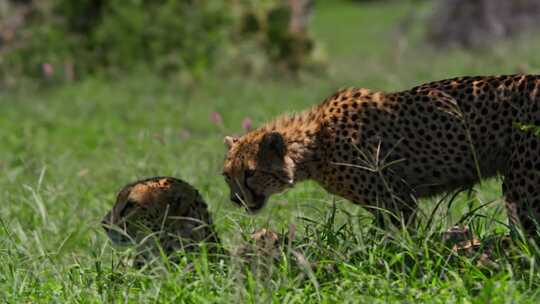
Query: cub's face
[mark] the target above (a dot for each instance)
(141, 208)
(256, 166)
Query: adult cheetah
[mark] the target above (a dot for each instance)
(387, 149)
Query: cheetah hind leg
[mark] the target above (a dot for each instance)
(521, 185)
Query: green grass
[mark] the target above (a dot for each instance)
(67, 150)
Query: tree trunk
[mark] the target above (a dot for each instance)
(478, 23)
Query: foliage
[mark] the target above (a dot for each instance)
(528, 128)
(64, 39)
(92, 35)
(271, 28)
(168, 34)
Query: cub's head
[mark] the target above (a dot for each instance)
(257, 166)
(162, 206)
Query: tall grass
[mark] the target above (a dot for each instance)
(66, 151)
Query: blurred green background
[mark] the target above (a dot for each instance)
(96, 94)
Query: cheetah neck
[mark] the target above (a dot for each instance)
(304, 156)
(301, 132)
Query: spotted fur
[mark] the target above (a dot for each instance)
(388, 149)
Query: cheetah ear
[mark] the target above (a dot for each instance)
(272, 145)
(229, 141)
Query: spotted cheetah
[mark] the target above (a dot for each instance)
(385, 150)
(165, 209)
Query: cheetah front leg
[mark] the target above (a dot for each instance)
(521, 185)
(394, 204)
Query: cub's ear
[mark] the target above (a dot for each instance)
(229, 141)
(272, 146)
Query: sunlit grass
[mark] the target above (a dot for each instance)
(67, 150)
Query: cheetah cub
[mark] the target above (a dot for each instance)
(160, 213)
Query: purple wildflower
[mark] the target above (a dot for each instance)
(247, 124)
(47, 69)
(215, 117)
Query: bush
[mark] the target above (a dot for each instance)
(169, 35)
(281, 33)
(91, 35)
(64, 39)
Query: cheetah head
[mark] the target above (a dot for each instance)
(160, 206)
(257, 166)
